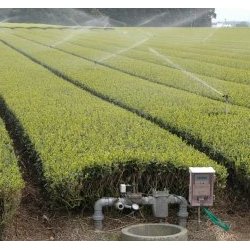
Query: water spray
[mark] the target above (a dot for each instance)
(183, 21)
(192, 76)
(210, 35)
(7, 19)
(124, 50)
(4, 20)
(151, 19)
(70, 36)
(86, 20)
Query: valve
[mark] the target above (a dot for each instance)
(135, 207)
(119, 205)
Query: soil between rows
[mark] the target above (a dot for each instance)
(34, 221)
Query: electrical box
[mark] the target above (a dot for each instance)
(201, 186)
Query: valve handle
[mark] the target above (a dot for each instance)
(135, 207)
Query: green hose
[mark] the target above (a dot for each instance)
(216, 220)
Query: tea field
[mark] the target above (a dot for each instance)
(94, 107)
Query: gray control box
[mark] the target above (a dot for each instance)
(201, 186)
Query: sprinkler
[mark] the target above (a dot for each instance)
(192, 76)
(226, 99)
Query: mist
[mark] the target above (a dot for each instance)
(111, 17)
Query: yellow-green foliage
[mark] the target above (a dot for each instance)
(140, 62)
(82, 140)
(226, 134)
(11, 182)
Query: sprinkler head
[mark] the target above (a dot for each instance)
(226, 97)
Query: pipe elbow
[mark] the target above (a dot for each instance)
(98, 214)
(99, 204)
(103, 202)
(183, 207)
(183, 201)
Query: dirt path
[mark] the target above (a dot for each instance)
(34, 222)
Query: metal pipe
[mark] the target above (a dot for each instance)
(98, 214)
(171, 199)
(149, 200)
(120, 203)
(183, 213)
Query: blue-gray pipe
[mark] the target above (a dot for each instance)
(183, 213)
(98, 214)
(150, 200)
